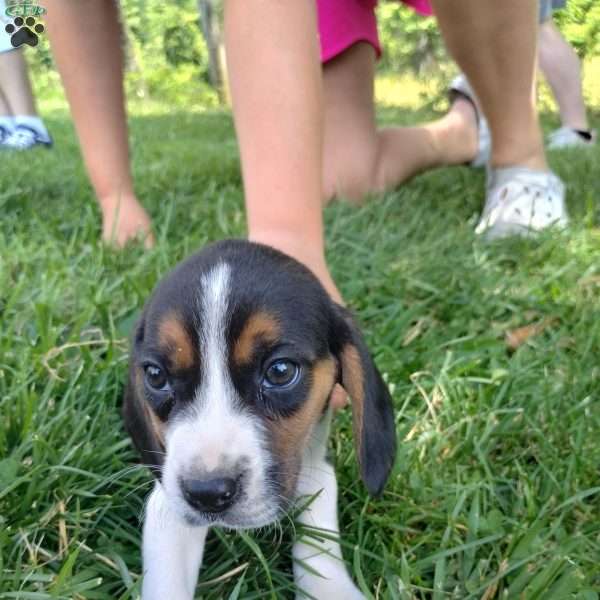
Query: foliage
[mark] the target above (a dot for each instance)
(409, 40)
(580, 24)
(167, 57)
(495, 490)
(168, 60)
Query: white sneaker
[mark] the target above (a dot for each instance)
(565, 137)
(24, 138)
(460, 86)
(4, 134)
(521, 201)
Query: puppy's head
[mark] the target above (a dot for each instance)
(233, 363)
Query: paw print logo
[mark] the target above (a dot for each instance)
(24, 31)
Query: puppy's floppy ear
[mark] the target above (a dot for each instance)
(143, 426)
(372, 410)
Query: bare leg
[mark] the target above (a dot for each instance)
(275, 78)
(358, 158)
(4, 107)
(562, 69)
(86, 41)
(7, 121)
(494, 43)
(16, 85)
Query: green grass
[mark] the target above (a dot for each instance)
(495, 493)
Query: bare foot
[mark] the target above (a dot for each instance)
(125, 220)
(466, 127)
(457, 134)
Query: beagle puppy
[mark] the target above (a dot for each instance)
(233, 363)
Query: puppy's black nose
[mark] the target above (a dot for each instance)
(211, 495)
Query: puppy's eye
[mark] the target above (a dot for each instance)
(281, 373)
(156, 377)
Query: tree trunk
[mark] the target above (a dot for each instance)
(211, 30)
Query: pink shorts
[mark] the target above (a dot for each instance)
(343, 23)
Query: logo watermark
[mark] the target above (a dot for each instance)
(25, 27)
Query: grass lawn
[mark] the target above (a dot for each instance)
(496, 490)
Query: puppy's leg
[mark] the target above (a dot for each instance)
(172, 552)
(321, 555)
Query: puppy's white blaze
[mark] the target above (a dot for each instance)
(216, 416)
(215, 433)
(214, 301)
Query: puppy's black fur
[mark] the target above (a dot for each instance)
(313, 327)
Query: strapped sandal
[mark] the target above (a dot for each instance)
(461, 87)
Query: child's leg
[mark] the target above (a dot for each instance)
(275, 80)
(18, 95)
(5, 112)
(562, 69)
(494, 44)
(15, 83)
(86, 42)
(350, 151)
(358, 158)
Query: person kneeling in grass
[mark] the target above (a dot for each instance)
(522, 194)
(358, 158)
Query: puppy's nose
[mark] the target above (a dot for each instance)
(211, 495)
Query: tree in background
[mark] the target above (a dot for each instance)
(580, 24)
(175, 48)
(210, 20)
(412, 42)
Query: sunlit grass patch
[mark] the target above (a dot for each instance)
(495, 493)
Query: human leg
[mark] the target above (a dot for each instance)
(275, 83)
(562, 69)
(4, 107)
(16, 85)
(360, 159)
(28, 129)
(6, 118)
(350, 147)
(86, 42)
(494, 43)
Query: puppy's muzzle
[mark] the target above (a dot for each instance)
(213, 495)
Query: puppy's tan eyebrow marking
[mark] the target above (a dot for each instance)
(260, 325)
(176, 341)
(289, 434)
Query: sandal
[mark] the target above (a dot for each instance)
(461, 87)
(522, 201)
